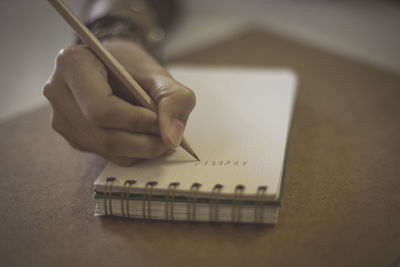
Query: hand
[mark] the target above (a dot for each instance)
(91, 117)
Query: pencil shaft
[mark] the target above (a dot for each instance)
(111, 62)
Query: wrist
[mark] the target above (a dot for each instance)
(131, 23)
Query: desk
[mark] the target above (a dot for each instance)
(342, 195)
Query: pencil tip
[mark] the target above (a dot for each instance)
(196, 157)
(185, 145)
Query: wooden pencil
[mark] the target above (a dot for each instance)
(132, 87)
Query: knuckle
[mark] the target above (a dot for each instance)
(71, 54)
(64, 56)
(190, 97)
(47, 89)
(53, 91)
(185, 98)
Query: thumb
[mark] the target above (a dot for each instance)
(175, 102)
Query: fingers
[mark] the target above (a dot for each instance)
(87, 79)
(91, 118)
(175, 102)
(118, 146)
(120, 143)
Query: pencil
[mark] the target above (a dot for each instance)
(132, 87)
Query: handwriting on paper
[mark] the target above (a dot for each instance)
(222, 163)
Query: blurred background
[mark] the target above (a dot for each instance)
(32, 33)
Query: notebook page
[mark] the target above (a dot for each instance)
(239, 129)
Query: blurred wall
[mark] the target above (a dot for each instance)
(32, 33)
(366, 30)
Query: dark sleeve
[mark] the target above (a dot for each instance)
(144, 21)
(166, 11)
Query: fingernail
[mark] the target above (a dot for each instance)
(176, 132)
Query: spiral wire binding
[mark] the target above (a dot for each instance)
(214, 203)
(147, 199)
(236, 214)
(169, 201)
(192, 202)
(108, 195)
(125, 197)
(236, 203)
(259, 204)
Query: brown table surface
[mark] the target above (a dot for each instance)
(342, 194)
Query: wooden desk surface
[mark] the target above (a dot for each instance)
(342, 195)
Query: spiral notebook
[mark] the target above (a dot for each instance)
(239, 129)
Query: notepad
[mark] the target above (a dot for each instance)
(239, 129)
